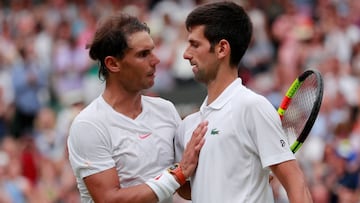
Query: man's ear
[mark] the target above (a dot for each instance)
(223, 48)
(112, 64)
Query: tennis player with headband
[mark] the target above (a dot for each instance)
(121, 145)
(245, 140)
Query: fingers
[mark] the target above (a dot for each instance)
(191, 153)
(199, 133)
(201, 136)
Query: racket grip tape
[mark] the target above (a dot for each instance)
(284, 105)
(293, 88)
(288, 96)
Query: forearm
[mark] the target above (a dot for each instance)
(297, 190)
(136, 194)
(156, 189)
(104, 187)
(299, 195)
(292, 179)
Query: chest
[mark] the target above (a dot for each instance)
(141, 150)
(228, 135)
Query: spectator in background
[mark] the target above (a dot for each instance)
(30, 81)
(341, 179)
(18, 187)
(341, 37)
(259, 56)
(355, 61)
(3, 119)
(289, 30)
(8, 55)
(15, 186)
(164, 80)
(4, 160)
(49, 143)
(181, 69)
(71, 63)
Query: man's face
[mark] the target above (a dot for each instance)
(204, 61)
(138, 66)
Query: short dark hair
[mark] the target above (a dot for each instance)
(110, 38)
(224, 20)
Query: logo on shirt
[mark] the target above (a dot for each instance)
(144, 136)
(214, 131)
(282, 143)
(158, 177)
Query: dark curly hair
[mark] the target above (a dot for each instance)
(110, 38)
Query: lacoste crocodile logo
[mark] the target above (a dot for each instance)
(214, 131)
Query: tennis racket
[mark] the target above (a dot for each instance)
(300, 107)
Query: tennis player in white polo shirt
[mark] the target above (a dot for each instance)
(245, 140)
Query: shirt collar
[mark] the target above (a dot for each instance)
(224, 97)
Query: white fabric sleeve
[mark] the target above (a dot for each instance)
(271, 141)
(89, 150)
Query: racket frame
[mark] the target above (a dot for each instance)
(293, 89)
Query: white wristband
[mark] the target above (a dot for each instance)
(163, 185)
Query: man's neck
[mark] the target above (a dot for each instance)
(217, 86)
(126, 103)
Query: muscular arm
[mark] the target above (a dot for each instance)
(292, 179)
(105, 187)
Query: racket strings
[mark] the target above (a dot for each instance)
(300, 108)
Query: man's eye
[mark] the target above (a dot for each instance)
(144, 53)
(195, 45)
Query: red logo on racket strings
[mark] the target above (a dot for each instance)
(144, 136)
(282, 143)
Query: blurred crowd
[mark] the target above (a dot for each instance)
(46, 78)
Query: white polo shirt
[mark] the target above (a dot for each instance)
(101, 138)
(244, 137)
